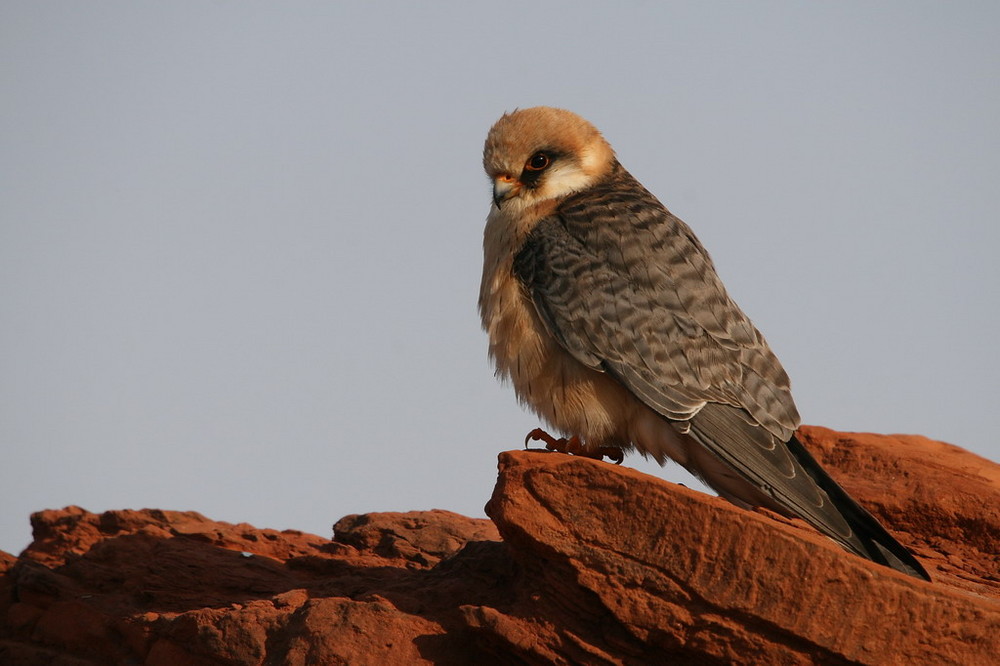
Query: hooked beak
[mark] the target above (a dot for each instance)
(505, 187)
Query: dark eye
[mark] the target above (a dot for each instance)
(537, 162)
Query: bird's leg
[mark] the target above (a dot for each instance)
(575, 447)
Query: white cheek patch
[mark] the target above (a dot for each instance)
(564, 179)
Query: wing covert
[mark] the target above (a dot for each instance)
(625, 287)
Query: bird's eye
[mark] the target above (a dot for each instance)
(537, 162)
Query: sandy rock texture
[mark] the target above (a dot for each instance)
(582, 562)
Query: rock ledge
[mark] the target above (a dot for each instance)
(583, 563)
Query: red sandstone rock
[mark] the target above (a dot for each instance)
(940, 500)
(598, 565)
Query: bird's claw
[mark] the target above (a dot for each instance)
(612, 453)
(575, 447)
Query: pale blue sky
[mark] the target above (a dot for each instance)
(240, 242)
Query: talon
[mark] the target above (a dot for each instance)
(539, 435)
(573, 446)
(612, 453)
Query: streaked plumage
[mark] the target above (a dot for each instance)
(606, 314)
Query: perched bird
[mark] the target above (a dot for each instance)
(606, 314)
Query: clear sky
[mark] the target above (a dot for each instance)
(240, 242)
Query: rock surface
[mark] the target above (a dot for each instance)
(583, 563)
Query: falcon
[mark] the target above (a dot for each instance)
(605, 313)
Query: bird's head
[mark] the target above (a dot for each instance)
(533, 155)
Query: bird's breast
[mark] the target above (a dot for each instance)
(519, 344)
(571, 397)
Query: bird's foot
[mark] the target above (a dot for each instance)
(575, 447)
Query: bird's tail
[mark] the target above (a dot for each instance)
(873, 541)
